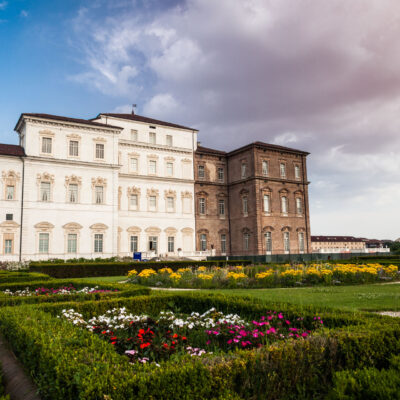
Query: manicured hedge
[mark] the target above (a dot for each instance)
(368, 383)
(10, 276)
(69, 363)
(81, 270)
(123, 290)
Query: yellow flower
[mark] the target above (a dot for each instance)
(201, 269)
(266, 274)
(147, 273)
(132, 272)
(206, 277)
(239, 267)
(166, 271)
(183, 270)
(174, 275)
(236, 275)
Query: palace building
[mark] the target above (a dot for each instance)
(123, 183)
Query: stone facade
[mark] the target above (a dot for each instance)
(265, 189)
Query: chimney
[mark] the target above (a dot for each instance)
(133, 109)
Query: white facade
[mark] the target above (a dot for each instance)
(98, 189)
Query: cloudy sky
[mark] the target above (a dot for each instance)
(321, 76)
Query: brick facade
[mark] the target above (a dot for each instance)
(265, 194)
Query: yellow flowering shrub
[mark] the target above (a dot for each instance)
(165, 271)
(146, 273)
(206, 277)
(176, 276)
(239, 267)
(236, 275)
(183, 270)
(263, 275)
(202, 269)
(391, 270)
(292, 273)
(132, 272)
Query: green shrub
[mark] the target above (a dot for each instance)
(10, 276)
(123, 290)
(70, 363)
(368, 383)
(101, 268)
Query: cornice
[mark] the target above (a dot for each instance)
(142, 145)
(64, 124)
(155, 178)
(71, 162)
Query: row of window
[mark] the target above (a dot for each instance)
(154, 169)
(245, 205)
(201, 172)
(267, 242)
(152, 138)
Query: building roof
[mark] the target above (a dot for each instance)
(64, 119)
(11, 150)
(201, 149)
(336, 239)
(139, 118)
(263, 145)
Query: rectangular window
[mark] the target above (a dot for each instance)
(46, 145)
(72, 243)
(283, 170)
(299, 208)
(268, 241)
(266, 203)
(169, 140)
(203, 242)
(134, 165)
(45, 191)
(202, 205)
(100, 151)
(98, 243)
(297, 172)
(134, 135)
(221, 174)
(9, 217)
(170, 168)
(134, 244)
(133, 200)
(284, 204)
(153, 243)
(152, 203)
(10, 192)
(245, 205)
(170, 204)
(221, 207)
(152, 137)
(73, 193)
(246, 239)
(43, 242)
(243, 170)
(8, 246)
(286, 241)
(265, 168)
(171, 244)
(99, 192)
(223, 243)
(201, 172)
(74, 148)
(301, 241)
(152, 167)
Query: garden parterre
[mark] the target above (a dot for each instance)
(71, 362)
(265, 276)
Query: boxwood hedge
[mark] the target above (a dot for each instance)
(118, 290)
(69, 363)
(87, 269)
(10, 276)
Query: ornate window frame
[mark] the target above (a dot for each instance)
(10, 178)
(170, 194)
(134, 231)
(103, 141)
(172, 161)
(74, 180)
(9, 231)
(46, 134)
(298, 195)
(99, 181)
(74, 138)
(44, 227)
(131, 191)
(151, 193)
(171, 232)
(284, 193)
(202, 195)
(45, 177)
(266, 191)
(265, 230)
(98, 228)
(244, 193)
(187, 195)
(201, 232)
(133, 156)
(72, 228)
(154, 158)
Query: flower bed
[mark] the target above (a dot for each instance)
(64, 290)
(265, 276)
(144, 338)
(68, 362)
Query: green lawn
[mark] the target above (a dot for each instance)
(360, 297)
(106, 279)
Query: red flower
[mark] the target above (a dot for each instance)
(141, 331)
(175, 335)
(184, 338)
(143, 345)
(165, 345)
(113, 343)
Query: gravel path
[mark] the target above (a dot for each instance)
(395, 314)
